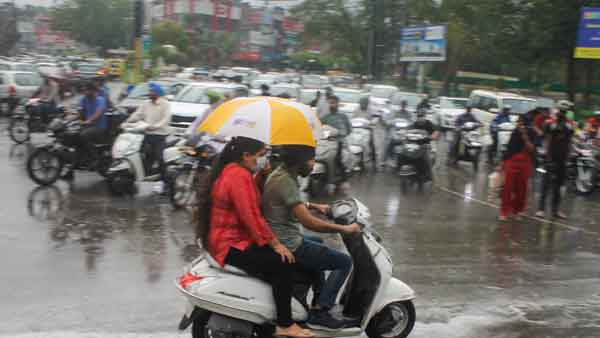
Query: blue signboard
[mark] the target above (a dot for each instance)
(426, 43)
(588, 37)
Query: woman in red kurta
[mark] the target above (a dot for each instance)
(518, 166)
(238, 234)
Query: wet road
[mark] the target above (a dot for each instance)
(79, 263)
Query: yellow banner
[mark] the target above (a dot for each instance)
(587, 53)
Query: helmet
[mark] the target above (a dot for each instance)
(564, 105)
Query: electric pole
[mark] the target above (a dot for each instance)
(376, 39)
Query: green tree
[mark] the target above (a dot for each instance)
(105, 24)
(170, 33)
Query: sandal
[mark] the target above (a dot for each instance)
(294, 331)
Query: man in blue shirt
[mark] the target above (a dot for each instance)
(95, 122)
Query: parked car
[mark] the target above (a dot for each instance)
(192, 101)
(448, 109)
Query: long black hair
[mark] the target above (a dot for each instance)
(233, 152)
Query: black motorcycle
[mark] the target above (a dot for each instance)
(183, 178)
(66, 152)
(409, 153)
(29, 118)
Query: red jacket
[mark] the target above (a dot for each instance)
(236, 219)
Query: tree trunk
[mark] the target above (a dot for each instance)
(571, 81)
(589, 76)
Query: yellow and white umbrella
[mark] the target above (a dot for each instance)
(271, 120)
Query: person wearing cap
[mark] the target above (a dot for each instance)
(502, 117)
(558, 133)
(288, 214)
(157, 114)
(461, 120)
(592, 125)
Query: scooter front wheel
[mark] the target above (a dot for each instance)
(395, 320)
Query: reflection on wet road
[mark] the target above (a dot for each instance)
(76, 260)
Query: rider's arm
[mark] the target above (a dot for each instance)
(314, 223)
(137, 115)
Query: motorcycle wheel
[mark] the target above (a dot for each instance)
(584, 184)
(19, 131)
(182, 190)
(44, 167)
(395, 320)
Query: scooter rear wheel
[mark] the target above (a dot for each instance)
(19, 131)
(395, 320)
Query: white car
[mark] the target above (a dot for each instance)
(448, 109)
(381, 94)
(291, 89)
(314, 81)
(349, 99)
(486, 105)
(25, 84)
(412, 101)
(18, 67)
(192, 101)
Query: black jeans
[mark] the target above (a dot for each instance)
(154, 145)
(493, 148)
(339, 161)
(92, 136)
(264, 263)
(555, 176)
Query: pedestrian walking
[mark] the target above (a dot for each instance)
(517, 168)
(558, 132)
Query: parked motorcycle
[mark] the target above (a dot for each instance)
(326, 172)
(360, 143)
(470, 146)
(226, 302)
(129, 166)
(65, 153)
(28, 119)
(587, 166)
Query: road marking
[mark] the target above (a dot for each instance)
(533, 218)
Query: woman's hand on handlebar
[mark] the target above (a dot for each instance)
(285, 253)
(352, 229)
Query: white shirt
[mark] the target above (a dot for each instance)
(155, 114)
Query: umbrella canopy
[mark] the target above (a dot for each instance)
(271, 120)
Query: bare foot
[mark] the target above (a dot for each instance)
(294, 331)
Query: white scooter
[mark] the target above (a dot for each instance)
(226, 302)
(360, 143)
(128, 169)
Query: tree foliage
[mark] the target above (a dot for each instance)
(170, 33)
(105, 24)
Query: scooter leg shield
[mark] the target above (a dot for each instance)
(396, 291)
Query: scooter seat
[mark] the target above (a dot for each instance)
(227, 268)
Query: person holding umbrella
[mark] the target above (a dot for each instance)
(229, 220)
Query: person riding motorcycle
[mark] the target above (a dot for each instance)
(388, 122)
(287, 214)
(461, 120)
(49, 98)
(502, 117)
(592, 125)
(422, 123)
(157, 114)
(340, 122)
